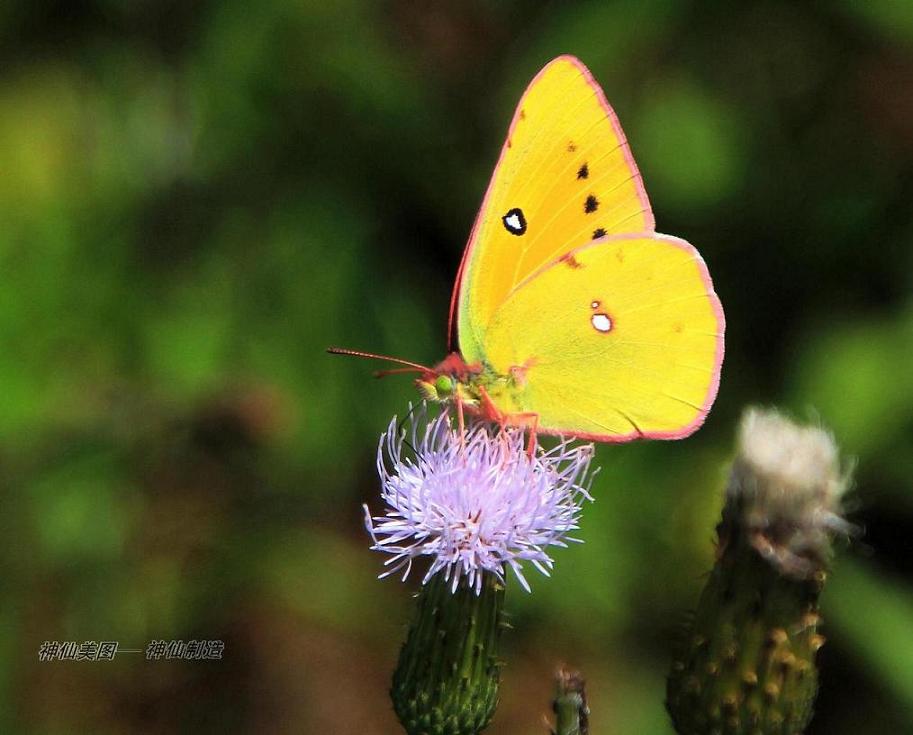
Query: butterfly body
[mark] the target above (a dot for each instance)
(574, 316)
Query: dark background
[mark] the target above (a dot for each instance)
(196, 198)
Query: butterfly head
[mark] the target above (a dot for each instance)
(452, 379)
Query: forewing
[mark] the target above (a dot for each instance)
(565, 175)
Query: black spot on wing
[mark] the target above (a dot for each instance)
(571, 147)
(583, 172)
(599, 232)
(591, 204)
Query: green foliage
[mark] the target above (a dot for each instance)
(699, 157)
(864, 600)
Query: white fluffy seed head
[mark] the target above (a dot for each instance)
(787, 487)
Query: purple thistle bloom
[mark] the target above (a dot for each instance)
(476, 503)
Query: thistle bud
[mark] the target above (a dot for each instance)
(572, 713)
(748, 660)
(446, 682)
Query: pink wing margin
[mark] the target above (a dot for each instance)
(650, 222)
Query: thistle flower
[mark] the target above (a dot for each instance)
(476, 502)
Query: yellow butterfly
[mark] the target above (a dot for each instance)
(573, 316)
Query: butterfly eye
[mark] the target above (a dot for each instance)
(601, 322)
(443, 385)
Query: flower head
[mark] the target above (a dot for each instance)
(475, 502)
(787, 488)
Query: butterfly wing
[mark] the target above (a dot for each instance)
(565, 175)
(621, 338)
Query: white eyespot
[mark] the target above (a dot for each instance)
(601, 322)
(514, 221)
(594, 305)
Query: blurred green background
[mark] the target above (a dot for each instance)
(196, 198)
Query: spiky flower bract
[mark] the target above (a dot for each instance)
(475, 502)
(448, 675)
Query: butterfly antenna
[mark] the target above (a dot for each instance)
(410, 366)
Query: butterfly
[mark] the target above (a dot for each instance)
(573, 316)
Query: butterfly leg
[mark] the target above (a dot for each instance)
(530, 421)
(524, 420)
(461, 418)
(533, 435)
(488, 410)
